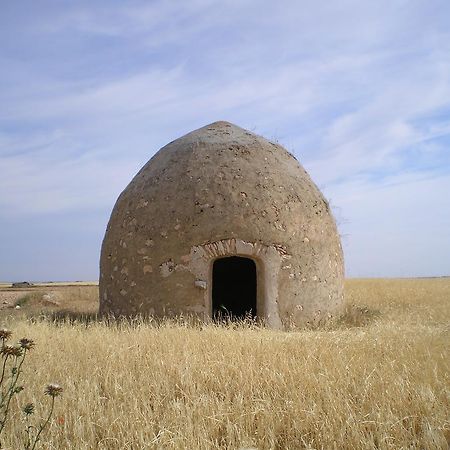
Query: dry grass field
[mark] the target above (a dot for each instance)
(377, 379)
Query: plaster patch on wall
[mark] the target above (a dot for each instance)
(201, 284)
(147, 269)
(167, 268)
(186, 258)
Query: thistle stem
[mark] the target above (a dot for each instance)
(3, 374)
(36, 439)
(10, 393)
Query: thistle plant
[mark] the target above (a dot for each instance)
(33, 433)
(12, 360)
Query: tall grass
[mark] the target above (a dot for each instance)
(376, 379)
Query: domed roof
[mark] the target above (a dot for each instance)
(221, 181)
(216, 183)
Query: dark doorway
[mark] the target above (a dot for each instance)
(234, 288)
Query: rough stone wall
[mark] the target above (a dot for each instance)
(218, 191)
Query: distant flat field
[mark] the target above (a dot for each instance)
(377, 378)
(54, 283)
(77, 296)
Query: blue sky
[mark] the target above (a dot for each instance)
(358, 90)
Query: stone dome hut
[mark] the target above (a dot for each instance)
(222, 222)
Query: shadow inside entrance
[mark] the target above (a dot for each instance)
(234, 289)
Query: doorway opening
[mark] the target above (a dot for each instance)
(234, 289)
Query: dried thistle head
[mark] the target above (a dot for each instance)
(53, 390)
(5, 334)
(11, 350)
(26, 344)
(28, 409)
(6, 350)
